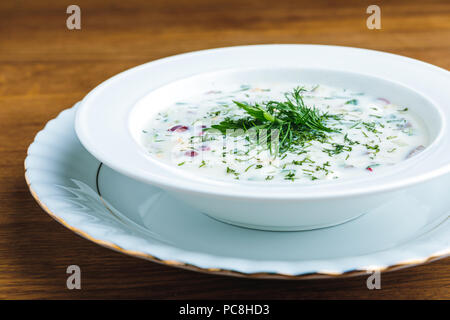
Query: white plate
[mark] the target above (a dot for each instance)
(144, 221)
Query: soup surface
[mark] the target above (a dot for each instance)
(284, 132)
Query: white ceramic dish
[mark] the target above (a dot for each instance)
(143, 221)
(109, 117)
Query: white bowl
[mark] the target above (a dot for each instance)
(110, 117)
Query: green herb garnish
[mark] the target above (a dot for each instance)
(291, 121)
(290, 176)
(338, 148)
(353, 102)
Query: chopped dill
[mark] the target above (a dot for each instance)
(338, 148)
(290, 176)
(249, 167)
(353, 102)
(232, 171)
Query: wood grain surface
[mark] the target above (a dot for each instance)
(45, 68)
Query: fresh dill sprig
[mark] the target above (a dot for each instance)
(293, 121)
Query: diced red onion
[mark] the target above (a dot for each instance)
(178, 128)
(384, 100)
(191, 153)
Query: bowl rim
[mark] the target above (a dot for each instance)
(434, 142)
(180, 182)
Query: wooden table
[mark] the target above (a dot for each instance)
(45, 68)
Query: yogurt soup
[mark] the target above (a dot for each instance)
(284, 132)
